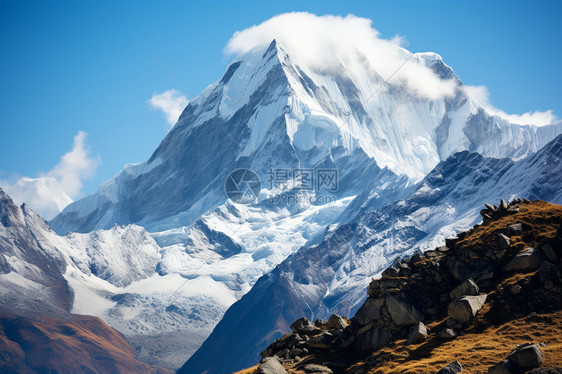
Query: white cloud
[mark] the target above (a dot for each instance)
(75, 166)
(171, 103)
(482, 95)
(44, 195)
(325, 42)
(54, 190)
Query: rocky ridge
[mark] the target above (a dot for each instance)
(505, 268)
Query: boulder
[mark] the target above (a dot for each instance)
(402, 313)
(297, 352)
(526, 356)
(504, 367)
(336, 322)
(490, 207)
(557, 370)
(322, 341)
(515, 289)
(271, 365)
(549, 252)
(372, 339)
(446, 334)
(548, 272)
(453, 368)
(515, 229)
(465, 308)
(528, 260)
(369, 311)
(503, 205)
(304, 326)
(418, 333)
(313, 368)
(390, 273)
(503, 241)
(468, 287)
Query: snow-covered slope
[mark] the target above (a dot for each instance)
(266, 112)
(331, 276)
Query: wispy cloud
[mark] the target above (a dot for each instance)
(171, 103)
(482, 95)
(52, 191)
(75, 166)
(324, 42)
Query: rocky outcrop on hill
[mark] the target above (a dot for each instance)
(506, 268)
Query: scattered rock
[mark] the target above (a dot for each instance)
(304, 326)
(322, 341)
(515, 289)
(490, 207)
(468, 287)
(546, 371)
(336, 322)
(418, 333)
(547, 272)
(503, 205)
(504, 367)
(527, 356)
(453, 368)
(390, 273)
(373, 339)
(446, 334)
(465, 308)
(504, 241)
(516, 229)
(525, 261)
(313, 368)
(271, 365)
(547, 250)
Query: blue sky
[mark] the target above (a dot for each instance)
(71, 66)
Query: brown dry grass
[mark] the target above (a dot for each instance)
(248, 371)
(543, 218)
(476, 351)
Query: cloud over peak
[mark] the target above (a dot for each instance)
(325, 42)
(482, 95)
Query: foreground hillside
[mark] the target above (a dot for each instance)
(490, 289)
